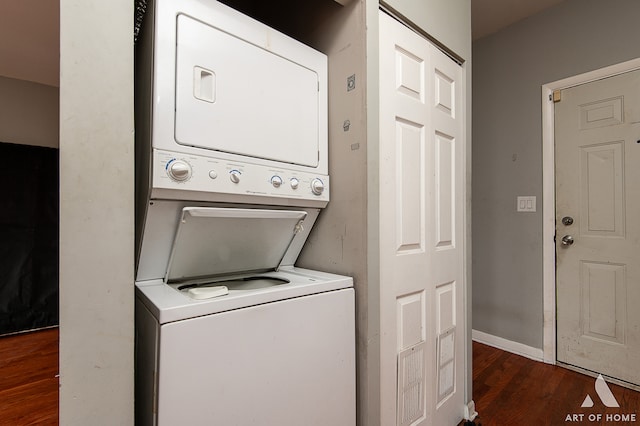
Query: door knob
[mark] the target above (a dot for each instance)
(567, 220)
(567, 240)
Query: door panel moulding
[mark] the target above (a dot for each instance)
(549, 196)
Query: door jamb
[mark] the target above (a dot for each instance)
(549, 196)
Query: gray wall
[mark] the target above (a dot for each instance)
(28, 113)
(509, 68)
(337, 242)
(96, 212)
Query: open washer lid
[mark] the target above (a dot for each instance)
(221, 241)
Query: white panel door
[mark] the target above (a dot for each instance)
(598, 249)
(421, 247)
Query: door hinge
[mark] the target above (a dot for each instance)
(556, 96)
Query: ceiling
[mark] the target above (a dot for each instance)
(30, 40)
(30, 33)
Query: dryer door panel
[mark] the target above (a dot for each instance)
(236, 97)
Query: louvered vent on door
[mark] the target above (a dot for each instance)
(411, 385)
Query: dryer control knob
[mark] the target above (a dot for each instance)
(276, 181)
(294, 183)
(234, 175)
(317, 186)
(179, 170)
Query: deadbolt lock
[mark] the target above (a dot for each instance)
(567, 220)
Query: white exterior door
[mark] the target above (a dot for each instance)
(421, 231)
(598, 226)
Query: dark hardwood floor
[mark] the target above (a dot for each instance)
(29, 378)
(512, 390)
(508, 389)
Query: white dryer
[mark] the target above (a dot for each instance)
(231, 158)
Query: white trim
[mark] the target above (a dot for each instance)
(470, 412)
(549, 197)
(548, 229)
(507, 345)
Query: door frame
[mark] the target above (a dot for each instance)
(549, 196)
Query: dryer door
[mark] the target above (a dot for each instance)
(237, 97)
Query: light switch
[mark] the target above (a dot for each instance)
(526, 204)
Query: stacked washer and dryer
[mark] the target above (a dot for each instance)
(231, 175)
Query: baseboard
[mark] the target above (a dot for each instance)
(470, 412)
(530, 352)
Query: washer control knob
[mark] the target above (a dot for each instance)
(276, 181)
(294, 183)
(178, 170)
(317, 186)
(234, 175)
(213, 174)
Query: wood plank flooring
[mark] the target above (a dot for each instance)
(508, 389)
(29, 378)
(512, 390)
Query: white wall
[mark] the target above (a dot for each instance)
(28, 113)
(509, 69)
(96, 212)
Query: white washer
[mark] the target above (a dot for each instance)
(277, 349)
(283, 357)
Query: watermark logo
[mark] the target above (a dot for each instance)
(608, 400)
(603, 391)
